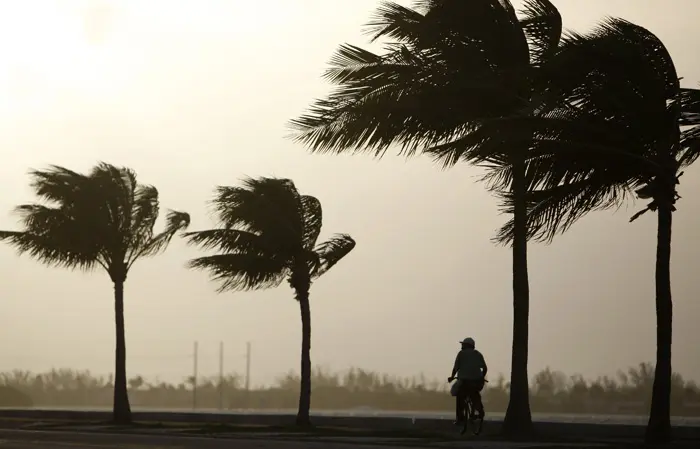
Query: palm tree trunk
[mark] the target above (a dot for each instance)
(659, 426)
(303, 418)
(121, 410)
(518, 420)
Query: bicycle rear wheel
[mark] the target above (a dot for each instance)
(467, 415)
(471, 421)
(477, 425)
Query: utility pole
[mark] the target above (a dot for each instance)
(247, 375)
(247, 367)
(221, 375)
(194, 376)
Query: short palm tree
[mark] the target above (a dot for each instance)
(268, 232)
(618, 86)
(459, 80)
(103, 219)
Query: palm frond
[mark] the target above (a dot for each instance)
(242, 271)
(116, 189)
(264, 206)
(690, 120)
(690, 106)
(230, 241)
(588, 67)
(67, 235)
(690, 144)
(103, 218)
(312, 216)
(542, 24)
(50, 251)
(370, 111)
(175, 222)
(554, 211)
(351, 64)
(144, 213)
(331, 252)
(427, 87)
(57, 184)
(395, 21)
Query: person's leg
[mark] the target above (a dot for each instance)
(459, 409)
(476, 399)
(470, 389)
(476, 402)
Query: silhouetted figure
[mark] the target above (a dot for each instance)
(470, 370)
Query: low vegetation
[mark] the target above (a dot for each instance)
(629, 392)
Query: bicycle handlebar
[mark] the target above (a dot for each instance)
(450, 379)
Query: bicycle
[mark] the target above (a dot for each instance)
(472, 420)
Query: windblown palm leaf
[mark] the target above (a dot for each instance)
(268, 233)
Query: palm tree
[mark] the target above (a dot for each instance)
(643, 129)
(459, 79)
(101, 219)
(267, 233)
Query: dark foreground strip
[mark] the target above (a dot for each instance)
(105, 440)
(554, 429)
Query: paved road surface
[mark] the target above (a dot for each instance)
(59, 440)
(362, 413)
(22, 439)
(71, 440)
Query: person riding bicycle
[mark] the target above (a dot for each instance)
(470, 370)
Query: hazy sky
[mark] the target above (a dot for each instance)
(196, 93)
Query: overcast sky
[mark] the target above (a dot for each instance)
(196, 93)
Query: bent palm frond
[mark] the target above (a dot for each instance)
(543, 27)
(242, 271)
(553, 211)
(263, 206)
(312, 215)
(175, 222)
(332, 251)
(53, 238)
(46, 250)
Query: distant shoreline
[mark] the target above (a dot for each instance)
(355, 392)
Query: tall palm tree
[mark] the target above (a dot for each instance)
(268, 232)
(642, 130)
(457, 79)
(103, 219)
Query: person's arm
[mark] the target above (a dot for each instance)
(455, 368)
(484, 368)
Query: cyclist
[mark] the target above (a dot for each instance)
(470, 370)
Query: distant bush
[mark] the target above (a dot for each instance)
(551, 392)
(11, 397)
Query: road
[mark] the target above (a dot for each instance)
(635, 420)
(67, 440)
(74, 440)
